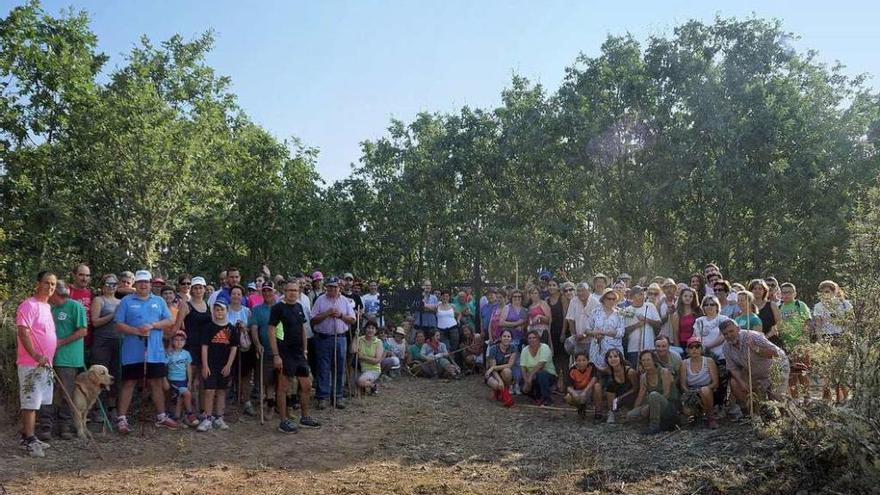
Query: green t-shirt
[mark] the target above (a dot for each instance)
(753, 324)
(415, 352)
(791, 328)
(369, 349)
(545, 355)
(69, 316)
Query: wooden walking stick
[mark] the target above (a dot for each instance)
(749, 359)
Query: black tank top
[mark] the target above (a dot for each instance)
(195, 323)
(766, 316)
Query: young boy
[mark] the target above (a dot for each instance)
(581, 383)
(180, 377)
(794, 330)
(219, 346)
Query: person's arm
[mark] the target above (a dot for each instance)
(206, 371)
(666, 376)
(616, 332)
(652, 318)
(231, 359)
(97, 319)
(182, 311)
(682, 376)
(503, 318)
(379, 354)
(713, 374)
(76, 335)
(643, 388)
(777, 318)
(674, 323)
(24, 336)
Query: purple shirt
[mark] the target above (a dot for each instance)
(332, 326)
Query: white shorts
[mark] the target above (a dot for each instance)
(35, 387)
(370, 375)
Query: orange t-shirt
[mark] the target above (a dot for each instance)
(580, 379)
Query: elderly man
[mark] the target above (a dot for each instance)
(576, 320)
(70, 329)
(143, 318)
(742, 346)
(331, 317)
(36, 348)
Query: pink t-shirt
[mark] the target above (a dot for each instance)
(37, 316)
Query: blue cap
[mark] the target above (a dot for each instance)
(332, 281)
(545, 275)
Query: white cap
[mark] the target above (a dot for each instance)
(142, 276)
(199, 281)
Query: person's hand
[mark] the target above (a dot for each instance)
(259, 350)
(145, 329)
(226, 370)
(276, 362)
(640, 318)
(42, 360)
(206, 372)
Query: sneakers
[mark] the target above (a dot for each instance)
(309, 422)
(287, 426)
(34, 447)
(610, 419)
(191, 420)
(24, 441)
(340, 403)
(249, 409)
(44, 434)
(164, 421)
(322, 404)
(219, 424)
(516, 389)
(122, 426)
(205, 425)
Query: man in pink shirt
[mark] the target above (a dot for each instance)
(36, 347)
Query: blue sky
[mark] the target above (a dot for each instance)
(333, 73)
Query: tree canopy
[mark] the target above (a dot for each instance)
(719, 142)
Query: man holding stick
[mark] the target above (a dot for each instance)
(36, 347)
(331, 317)
(750, 353)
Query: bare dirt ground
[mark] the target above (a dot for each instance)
(416, 437)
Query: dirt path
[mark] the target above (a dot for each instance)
(417, 436)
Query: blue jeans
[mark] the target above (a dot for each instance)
(324, 347)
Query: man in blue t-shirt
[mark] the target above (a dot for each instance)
(259, 324)
(143, 318)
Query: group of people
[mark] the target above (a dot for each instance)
(658, 349)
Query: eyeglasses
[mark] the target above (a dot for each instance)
(568, 290)
(185, 283)
(706, 305)
(109, 284)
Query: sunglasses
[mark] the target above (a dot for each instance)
(569, 290)
(110, 284)
(720, 289)
(694, 346)
(709, 304)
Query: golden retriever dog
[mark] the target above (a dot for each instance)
(88, 385)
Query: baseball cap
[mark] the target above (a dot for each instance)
(142, 276)
(400, 330)
(348, 275)
(602, 276)
(332, 281)
(252, 286)
(268, 285)
(694, 340)
(545, 275)
(158, 281)
(638, 289)
(624, 276)
(218, 302)
(317, 276)
(180, 332)
(198, 281)
(654, 287)
(667, 282)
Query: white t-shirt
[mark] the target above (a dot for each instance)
(445, 318)
(824, 318)
(709, 330)
(645, 332)
(577, 312)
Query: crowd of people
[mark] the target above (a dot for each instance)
(659, 350)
